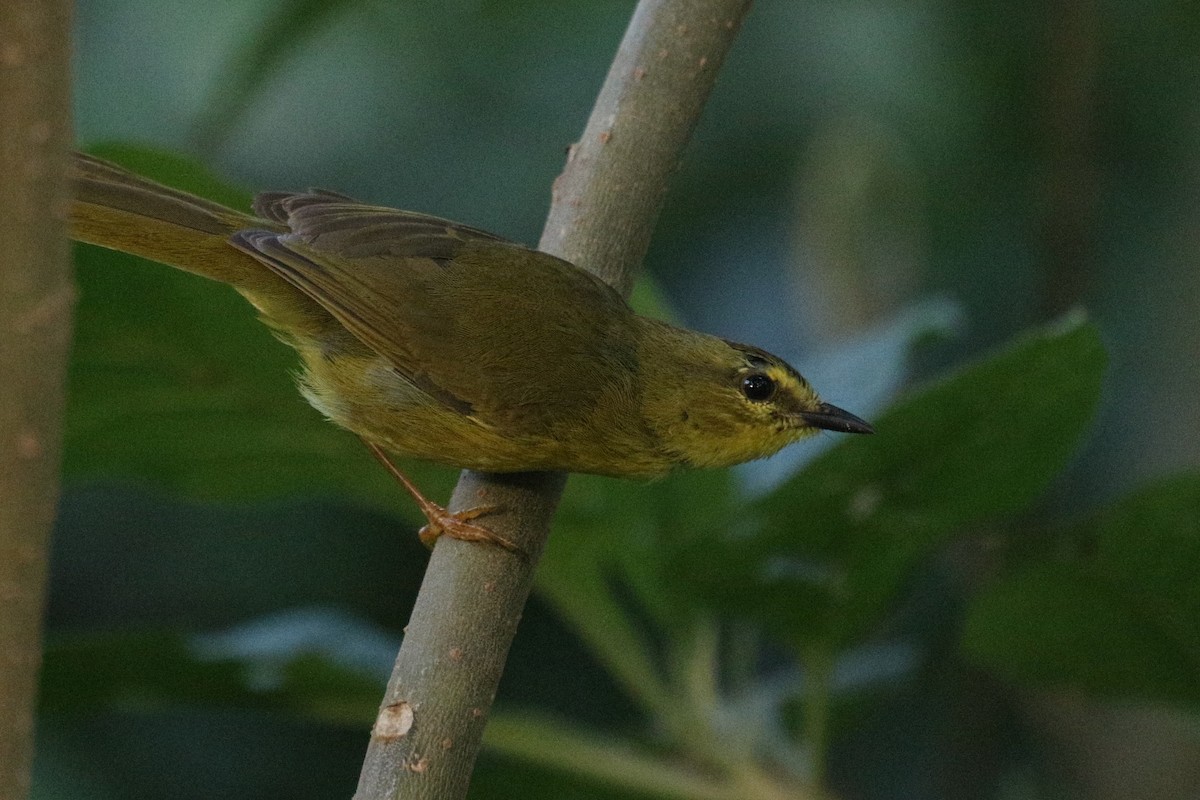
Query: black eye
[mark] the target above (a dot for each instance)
(758, 387)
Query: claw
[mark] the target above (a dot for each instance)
(455, 524)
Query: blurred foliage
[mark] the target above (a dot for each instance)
(838, 539)
(1118, 614)
(886, 614)
(166, 363)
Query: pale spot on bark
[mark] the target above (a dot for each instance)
(394, 721)
(29, 446)
(11, 54)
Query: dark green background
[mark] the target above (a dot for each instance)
(867, 174)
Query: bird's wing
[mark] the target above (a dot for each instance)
(516, 338)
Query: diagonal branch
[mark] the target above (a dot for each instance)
(605, 206)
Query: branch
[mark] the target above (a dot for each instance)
(35, 316)
(604, 209)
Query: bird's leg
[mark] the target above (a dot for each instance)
(455, 524)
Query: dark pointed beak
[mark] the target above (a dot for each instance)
(832, 418)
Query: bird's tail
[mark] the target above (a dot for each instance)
(121, 210)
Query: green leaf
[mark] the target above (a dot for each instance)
(144, 670)
(619, 767)
(837, 540)
(163, 561)
(1149, 544)
(605, 567)
(175, 382)
(1121, 620)
(627, 530)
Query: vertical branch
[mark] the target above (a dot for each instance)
(35, 305)
(605, 205)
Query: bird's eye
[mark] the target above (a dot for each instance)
(758, 387)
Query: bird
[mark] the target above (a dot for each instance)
(440, 341)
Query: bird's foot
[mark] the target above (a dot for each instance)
(458, 525)
(455, 524)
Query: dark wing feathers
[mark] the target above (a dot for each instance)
(355, 304)
(517, 337)
(355, 229)
(277, 206)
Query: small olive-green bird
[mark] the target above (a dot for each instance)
(443, 342)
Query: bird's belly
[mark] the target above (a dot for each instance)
(368, 398)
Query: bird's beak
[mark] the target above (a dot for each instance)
(833, 418)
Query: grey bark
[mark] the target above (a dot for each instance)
(605, 206)
(35, 317)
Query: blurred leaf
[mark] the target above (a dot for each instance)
(620, 768)
(627, 531)
(173, 169)
(1123, 619)
(173, 380)
(597, 519)
(607, 564)
(648, 299)
(863, 374)
(838, 539)
(499, 777)
(199, 754)
(315, 665)
(133, 670)
(124, 557)
(139, 670)
(58, 773)
(683, 508)
(1149, 543)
